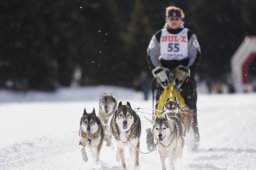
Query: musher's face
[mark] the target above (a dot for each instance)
(174, 22)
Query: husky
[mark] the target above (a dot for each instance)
(169, 139)
(126, 128)
(91, 135)
(172, 109)
(107, 107)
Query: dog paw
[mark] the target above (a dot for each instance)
(97, 162)
(85, 158)
(84, 155)
(108, 144)
(124, 168)
(136, 168)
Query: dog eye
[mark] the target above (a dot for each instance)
(128, 115)
(164, 128)
(157, 128)
(92, 122)
(121, 115)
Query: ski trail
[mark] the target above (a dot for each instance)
(226, 124)
(20, 154)
(227, 140)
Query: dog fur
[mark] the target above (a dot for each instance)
(126, 129)
(168, 134)
(91, 135)
(172, 108)
(107, 107)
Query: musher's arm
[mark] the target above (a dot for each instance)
(194, 53)
(153, 51)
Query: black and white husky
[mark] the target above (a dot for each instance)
(126, 129)
(91, 135)
(169, 139)
(107, 107)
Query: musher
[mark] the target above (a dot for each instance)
(176, 45)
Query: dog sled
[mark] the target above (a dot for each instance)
(170, 82)
(172, 118)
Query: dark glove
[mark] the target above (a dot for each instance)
(181, 74)
(162, 75)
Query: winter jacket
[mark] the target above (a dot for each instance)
(165, 41)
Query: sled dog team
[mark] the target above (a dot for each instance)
(123, 124)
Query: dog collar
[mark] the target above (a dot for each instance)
(127, 135)
(128, 131)
(166, 146)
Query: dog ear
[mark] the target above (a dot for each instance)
(85, 113)
(165, 117)
(102, 94)
(120, 104)
(93, 111)
(156, 119)
(98, 121)
(128, 104)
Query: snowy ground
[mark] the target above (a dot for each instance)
(40, 131)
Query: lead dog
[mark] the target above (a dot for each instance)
(107, 107)
(169, 139)
(126, 129)
(91, 135)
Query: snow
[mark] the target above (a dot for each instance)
(40, 131)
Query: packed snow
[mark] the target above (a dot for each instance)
(40, 131)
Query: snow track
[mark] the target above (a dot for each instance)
(44, 136)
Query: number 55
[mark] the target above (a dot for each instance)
(173, 47)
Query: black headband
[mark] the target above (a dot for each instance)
(174, 13)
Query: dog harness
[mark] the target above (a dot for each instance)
(167, 146)
(127, 134)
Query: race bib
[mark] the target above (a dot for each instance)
(174, 46)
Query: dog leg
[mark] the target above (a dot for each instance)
(111, 143)
(131, 151)
(84, 155)
(150, 139)
(108, 137)
(97, 155)
(136, 152)
(162, 157)
(179, 147)
(121, 157)
(172, 158)
(108, 140)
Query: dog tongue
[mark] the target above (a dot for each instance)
(89, 134)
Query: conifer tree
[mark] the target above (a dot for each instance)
(137, 39)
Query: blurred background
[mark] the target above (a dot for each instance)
(49, 44)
